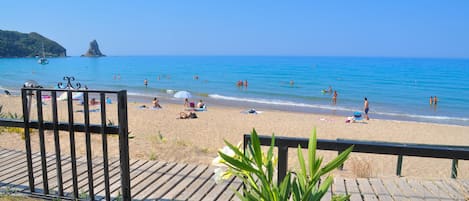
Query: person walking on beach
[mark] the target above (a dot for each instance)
(145, 82)
(334, 98)
(366, 108)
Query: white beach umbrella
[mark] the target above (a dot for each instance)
(182, 94)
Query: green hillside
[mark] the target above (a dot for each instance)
(16, 44)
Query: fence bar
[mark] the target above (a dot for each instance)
(89, 159)
(399, 165)
(72, 145)
(282, 162)
(104, 141)
(61, 126)
(25, 96)
(42, 144)
(454, 169)
(124, 144)
(58, 162)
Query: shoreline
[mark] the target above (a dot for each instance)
(296, 109)
(167, 97)
(159, 135)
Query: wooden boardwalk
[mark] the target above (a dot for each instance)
(157, 180)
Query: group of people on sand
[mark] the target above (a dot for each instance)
(188, 104)
(191, 106)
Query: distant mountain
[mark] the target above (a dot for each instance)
(16, 44)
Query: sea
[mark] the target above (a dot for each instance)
(397, 88)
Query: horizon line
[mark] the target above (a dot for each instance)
(273, 55)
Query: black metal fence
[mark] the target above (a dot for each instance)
(400, 149)
(27, 94)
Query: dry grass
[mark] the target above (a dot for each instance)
(361, 168)
(16, 198)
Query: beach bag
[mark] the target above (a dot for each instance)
(193, 116)
(191, 104)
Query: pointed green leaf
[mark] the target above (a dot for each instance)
(312, 152)
(336, 162)
(236, 163)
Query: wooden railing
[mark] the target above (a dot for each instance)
(454, 153)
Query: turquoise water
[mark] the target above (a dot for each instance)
(397, 88)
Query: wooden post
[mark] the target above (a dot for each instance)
(454, 169)
(399, 165)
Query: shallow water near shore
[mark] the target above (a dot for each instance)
(397, 88)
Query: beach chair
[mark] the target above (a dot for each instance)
(357, 116)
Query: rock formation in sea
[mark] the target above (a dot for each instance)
(16, 44)
(93, 51)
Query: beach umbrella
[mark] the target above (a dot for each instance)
(182, 94)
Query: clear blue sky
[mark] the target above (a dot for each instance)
(397, 28)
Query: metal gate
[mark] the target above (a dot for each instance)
(70, 126)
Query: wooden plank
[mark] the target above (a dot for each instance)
(394, 190)
(10, 156)
(152, 178)
(380, 190)
(229, 194)
(421, 190)
(353, 190)
(13, 166)
(458, 185)
(68, 178)
(173, 182)
(195, 185)
(18, 178)
(453, 193)
(366, 190)
(115, 180)
(205, 188)
(408, 190)
(65, 170)
(185, 182)
(218, 190)
(51, 172)
(83, 182)
(442, 195)
(338, 186)
(99, 182)
(154, 191)
(143, 173)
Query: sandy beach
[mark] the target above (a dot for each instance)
(159, 135)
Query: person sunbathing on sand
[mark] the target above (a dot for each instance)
(191, 115)
(156, 103)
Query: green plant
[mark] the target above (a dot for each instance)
(83, 195)
(153, 156)
(119, 196)
(256, 170)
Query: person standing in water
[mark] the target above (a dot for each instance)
(334, 98)
(366, 108)
(431, 100)
(145, 82)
